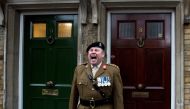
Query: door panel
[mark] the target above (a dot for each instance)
(141, 48)
(50, 52)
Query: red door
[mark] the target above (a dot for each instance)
(141, 47)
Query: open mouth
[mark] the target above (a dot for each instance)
(93, 56)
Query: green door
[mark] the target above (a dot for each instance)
(50, 55)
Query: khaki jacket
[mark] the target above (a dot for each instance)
(82, 87)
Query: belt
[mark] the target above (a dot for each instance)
(93, 103)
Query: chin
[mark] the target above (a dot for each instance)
(93, 62)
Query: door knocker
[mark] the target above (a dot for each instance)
(50, 40)
(140, 42)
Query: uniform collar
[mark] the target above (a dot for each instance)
(98, 66)
(102, 68)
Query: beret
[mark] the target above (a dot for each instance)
(96, 44)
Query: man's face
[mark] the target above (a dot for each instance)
(95, 55)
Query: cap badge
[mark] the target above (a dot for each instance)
(100, 44)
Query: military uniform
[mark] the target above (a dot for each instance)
(83, 88)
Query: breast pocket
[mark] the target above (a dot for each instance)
(82, 86)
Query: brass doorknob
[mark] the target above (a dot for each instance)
(50, 84)
(140, 86)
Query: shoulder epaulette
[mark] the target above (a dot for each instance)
(114, 65)
(84, 63)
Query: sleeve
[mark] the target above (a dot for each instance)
(74, 95)
(117, 90)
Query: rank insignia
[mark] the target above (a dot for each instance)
(103, 81)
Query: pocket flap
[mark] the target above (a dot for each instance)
(82, 82)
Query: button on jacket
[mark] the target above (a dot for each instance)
(82, 87)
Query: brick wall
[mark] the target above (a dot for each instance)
(187, 66)
(2, 34)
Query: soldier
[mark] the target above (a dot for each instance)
(96, 85)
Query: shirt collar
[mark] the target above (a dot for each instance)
(98, 66)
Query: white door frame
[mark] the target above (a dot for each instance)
(175, 7)
(14, 43)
